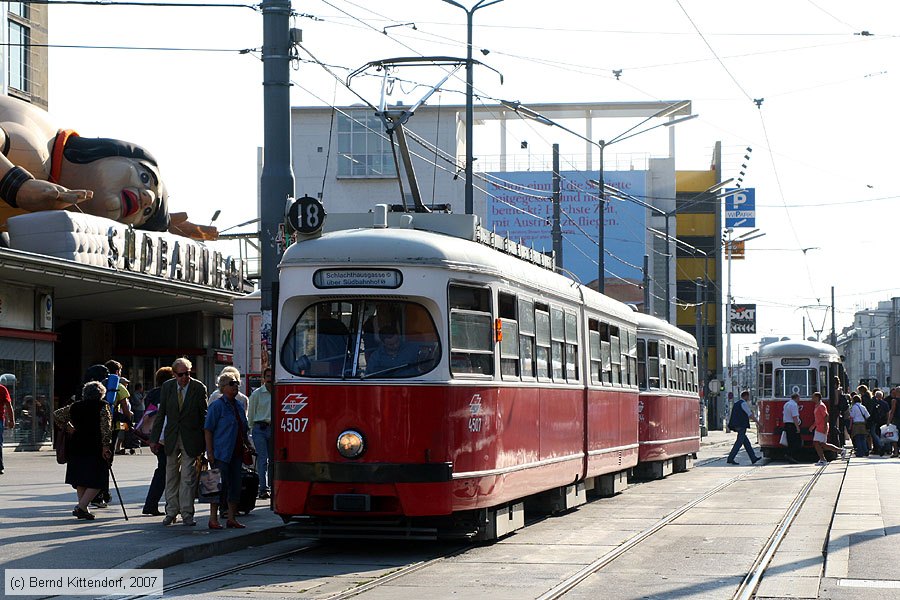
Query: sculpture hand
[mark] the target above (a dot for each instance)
(36, 195)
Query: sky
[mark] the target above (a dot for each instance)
(823, 138)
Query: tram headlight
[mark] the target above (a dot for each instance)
(350, 444)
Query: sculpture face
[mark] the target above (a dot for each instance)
(126, 190)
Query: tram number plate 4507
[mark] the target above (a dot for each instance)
(294, 424)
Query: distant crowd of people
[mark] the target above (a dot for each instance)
(188, 430)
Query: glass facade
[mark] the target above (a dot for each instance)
(26, 369)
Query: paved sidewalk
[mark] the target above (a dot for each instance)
(38, 530)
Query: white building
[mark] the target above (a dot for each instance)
(866, 346)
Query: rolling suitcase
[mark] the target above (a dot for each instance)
(249, 490)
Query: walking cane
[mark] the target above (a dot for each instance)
(118, 493)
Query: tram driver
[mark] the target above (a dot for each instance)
(394, 357)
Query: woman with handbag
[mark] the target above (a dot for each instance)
(858, 429)
(226, 444)
(89, 423)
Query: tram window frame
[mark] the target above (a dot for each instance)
(653, 365)
(572, 370)
(605, 360)
(662, 356)
(766, 381)
(781, 384)
(672, 369)
(615, 355)
(542, 341)
(468, 361)
(824, 388)
(594, 352)
(509, 340)
(526, 338)
(641, 363)
(557, 343)
(632, 358)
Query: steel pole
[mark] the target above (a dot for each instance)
(470, 116)
(668, 271)
(601, 225)
(556, 232)
(277, 179)
(728, 367)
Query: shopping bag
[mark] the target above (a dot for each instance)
(889, 432)
(783, 441)
(210, 486)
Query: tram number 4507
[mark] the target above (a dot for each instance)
(294, 424)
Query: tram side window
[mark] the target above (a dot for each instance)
(572, 347)
(653, 364)
(765, 379)
(632, 358)
(823, 382)
(526, 337)
(594, 348)
(670, 362)
(542, 340)
(641, 363)
(558, 341)
(509, 341)
(663, 366)
(471, 331)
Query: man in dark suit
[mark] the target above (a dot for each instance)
(182, 408)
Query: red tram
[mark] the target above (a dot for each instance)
(669, 413)
(793, 367)
(433, 378)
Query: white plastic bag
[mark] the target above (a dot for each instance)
(783, 441)
(889, 432)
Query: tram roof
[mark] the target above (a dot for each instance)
(392, 246)
(799, 348)
(655, 325)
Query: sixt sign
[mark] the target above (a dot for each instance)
(740, 207)
(743, 318)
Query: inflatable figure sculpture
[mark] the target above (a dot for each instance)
(46, 168)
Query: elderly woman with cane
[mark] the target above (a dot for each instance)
(89, 422)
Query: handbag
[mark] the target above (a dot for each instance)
(210, 488)
(859, 428)
(783, 441)
(889, 432)
(60, 441)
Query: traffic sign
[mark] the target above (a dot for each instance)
(306, 215)
(740, 207)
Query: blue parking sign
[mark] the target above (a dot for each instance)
(740, 207)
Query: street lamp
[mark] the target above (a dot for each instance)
(470, 112)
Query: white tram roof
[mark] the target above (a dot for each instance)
(407, 246)
(800, 348)
(656, 327)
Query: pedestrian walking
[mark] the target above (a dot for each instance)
(820, 435)
(182, 407)
(791, 422)
(894, 417)
(7, 418)
(145, 429)
(89, 421)
(261, 417)
(858, 429)
(739, 422)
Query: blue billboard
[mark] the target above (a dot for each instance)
(520, 206)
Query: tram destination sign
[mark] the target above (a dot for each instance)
(743, 318)
(344, 278)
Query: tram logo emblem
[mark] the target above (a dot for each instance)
(475, 404)
(294, 403)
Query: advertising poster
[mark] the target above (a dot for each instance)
(522, 210)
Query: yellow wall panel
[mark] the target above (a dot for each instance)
(699, 224)
(687, 317)
(692, 268)
(694, 181)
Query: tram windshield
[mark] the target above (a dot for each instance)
(795, 381)
(361, 339)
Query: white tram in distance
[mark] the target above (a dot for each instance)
(793, 367)
(510, 384)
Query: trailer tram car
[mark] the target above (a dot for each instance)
(669, 411)
(793, 367)
(433, 379)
